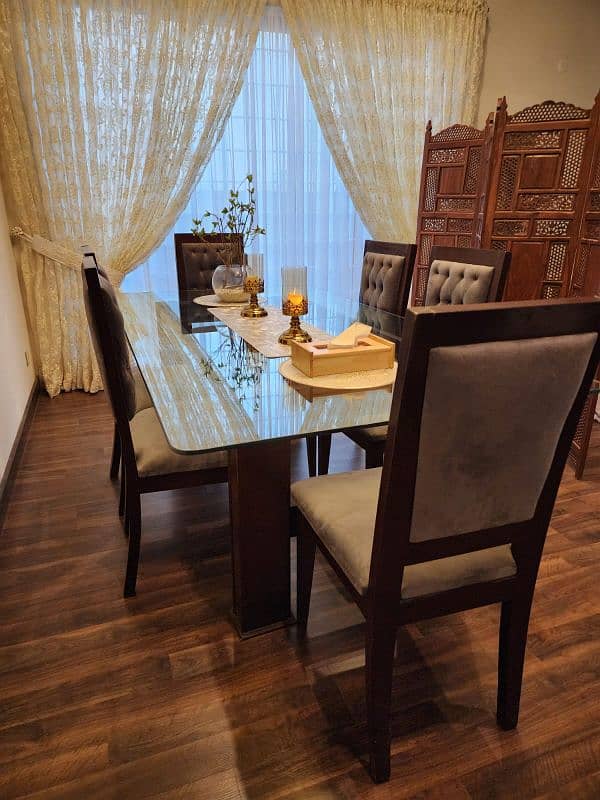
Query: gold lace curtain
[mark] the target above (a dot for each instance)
(376, 71)
(109, 111)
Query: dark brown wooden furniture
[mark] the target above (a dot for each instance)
(149, 464)
(373, 440)
(529, 183)
(196, 261)
(458, 516)
(384, 286)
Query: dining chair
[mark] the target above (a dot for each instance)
(384, 287)
(196, 262)
(149, 463)
(484, 408)
(457, 276)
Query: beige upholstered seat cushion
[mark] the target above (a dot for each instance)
(341, 509)
(154, 456)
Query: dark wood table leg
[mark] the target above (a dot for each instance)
(259, 501)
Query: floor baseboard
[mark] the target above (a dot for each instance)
(10, 471)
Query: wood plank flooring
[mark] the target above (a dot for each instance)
(155, 697)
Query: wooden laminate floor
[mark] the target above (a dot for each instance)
(155, 697)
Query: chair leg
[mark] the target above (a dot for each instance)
(374, 457)
(380, 644)
(311, 454)
(134, 525)
(324, 440)
(305, 563)
(115, 459)
(122, 495)
(514, 621)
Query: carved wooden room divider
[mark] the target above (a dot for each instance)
(529, 183)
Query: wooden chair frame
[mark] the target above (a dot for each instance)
(382, 605)
(409, 252)
(183, 283)
(500, 260)
(134, 484)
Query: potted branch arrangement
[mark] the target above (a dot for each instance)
(235, 218)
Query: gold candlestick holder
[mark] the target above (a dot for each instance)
(294, 308)
(253, 285)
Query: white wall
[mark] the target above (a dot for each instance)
(541, 50)
(16, 377)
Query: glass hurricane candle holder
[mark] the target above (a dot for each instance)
(254, 284)
(294, 303)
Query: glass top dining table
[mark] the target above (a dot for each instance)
(212, 390)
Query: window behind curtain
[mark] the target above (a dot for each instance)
(301, 201)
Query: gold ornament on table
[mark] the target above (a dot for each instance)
(294, 303)
(254, 284)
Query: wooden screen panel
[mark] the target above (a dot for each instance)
(453, 182)
(538, 183)
(585, 278)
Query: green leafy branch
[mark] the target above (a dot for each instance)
(236, 217)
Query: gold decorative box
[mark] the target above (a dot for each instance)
(315, 359)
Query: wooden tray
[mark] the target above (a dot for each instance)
(315, 359)
(345, 381)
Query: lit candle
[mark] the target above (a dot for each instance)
(295, 298)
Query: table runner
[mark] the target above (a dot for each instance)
(262, 333)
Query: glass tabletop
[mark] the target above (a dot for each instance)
(213, 391)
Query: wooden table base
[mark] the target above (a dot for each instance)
(259, 500)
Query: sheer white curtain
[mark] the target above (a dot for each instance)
(273, 133)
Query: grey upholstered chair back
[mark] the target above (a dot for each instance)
(200, 260)
(453, 283)
(491, 418)
(381, 281)
(107, 330)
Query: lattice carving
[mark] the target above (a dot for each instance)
(556, 261)
(551, 227)
(422, 276)
(460, 225)
(595, 201)
(510, 227)
(549, 291)
(508, 180)
(472, 173)
(549, 111)
(572, 161)
(437, 224)
(580, 265)
(593, 229)
(546, 202)
(499, 244)
(431, 180)
(596, 180)
(463, 241)
(455, 204)
(525, 140)
(426, 245)
(455, 132)
(447, 155)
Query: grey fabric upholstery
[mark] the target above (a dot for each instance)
(201, 259)
(381, 281)
(142, 398)
(492, 415)
(154, 456)
(118, 342)
(451, 282)
(341, 509)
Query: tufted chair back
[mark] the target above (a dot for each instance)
(453, 283)
(466, 275)
(385, 278)
(196, 263)
(107, 331)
